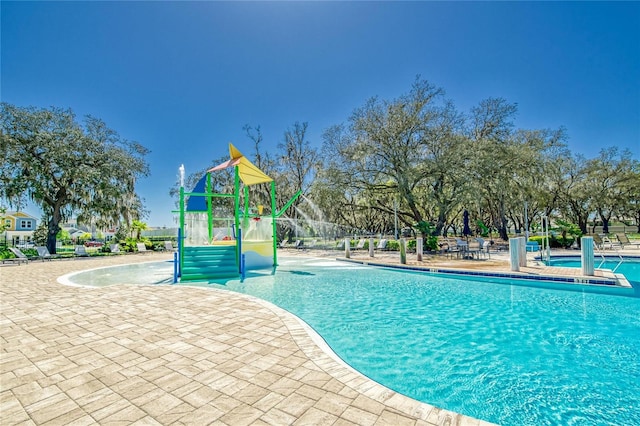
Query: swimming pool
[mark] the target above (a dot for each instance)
(630, 267)
(504, 353)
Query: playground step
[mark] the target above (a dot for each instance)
(209, 262)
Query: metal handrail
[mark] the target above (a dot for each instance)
(604, 259)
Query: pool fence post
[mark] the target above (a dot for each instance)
(347, 247)
(514, 254)
(371, 247)
(419, 248)
(523, 251)
(587, 256)
(403, 251)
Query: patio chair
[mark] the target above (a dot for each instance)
(19, 258)
(299, 244)
(484, 246)
(360, 244)
(624, 240)
(80, 251)
(601, 243)
(142, 248)
(168, 245)
(44, 254)
(115, 248)
(382, 244)
(462, 245)
(451, 247)
(466, 250)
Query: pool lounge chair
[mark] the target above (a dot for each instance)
(115, 248)
(80, 251)
(44, 254)
(19, 258)
(602, 243)
(142, 248)
(168, 245)
(624, 240)
(382, 244)
(299, 244)
(360, 244)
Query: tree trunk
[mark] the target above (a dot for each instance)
(440, 224)
(503, 222)
(52, 230)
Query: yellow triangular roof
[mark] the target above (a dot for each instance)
(249, 172)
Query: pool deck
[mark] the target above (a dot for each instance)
(149, 355)
(136, 354)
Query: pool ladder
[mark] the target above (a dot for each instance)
(604, 259)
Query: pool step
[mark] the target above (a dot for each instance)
(204, 263)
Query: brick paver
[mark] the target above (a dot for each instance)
(144, 355)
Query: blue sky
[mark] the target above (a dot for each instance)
(182, 78)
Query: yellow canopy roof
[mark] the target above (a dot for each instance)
(249, 173)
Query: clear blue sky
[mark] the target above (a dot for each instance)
(182, 78)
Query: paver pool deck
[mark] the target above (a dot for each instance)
(161, 354)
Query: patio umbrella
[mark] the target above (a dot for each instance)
(465, 224)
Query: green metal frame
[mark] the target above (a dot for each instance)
(236, 212)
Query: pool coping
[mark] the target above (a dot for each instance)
(603, 283)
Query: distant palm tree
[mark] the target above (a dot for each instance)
(138, 227)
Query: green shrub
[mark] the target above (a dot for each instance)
(431, 243)
(562, 242)
(128, 245)
(6, 254)
(393, 245)
(30, 252)
(539, 239)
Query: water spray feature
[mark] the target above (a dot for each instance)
(220, 238)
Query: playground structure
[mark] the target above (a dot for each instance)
(219, 236)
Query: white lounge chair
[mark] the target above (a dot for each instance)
(169, 246)
(80, 251)
(114, 248)
(360, 244)
(142, 248)
(44, 254)
(19, 258)
(382, 244)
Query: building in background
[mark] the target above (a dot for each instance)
(20, 227)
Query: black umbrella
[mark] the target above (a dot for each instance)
(465, 224)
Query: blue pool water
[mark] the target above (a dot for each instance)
(630, 268)
(509, 354)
